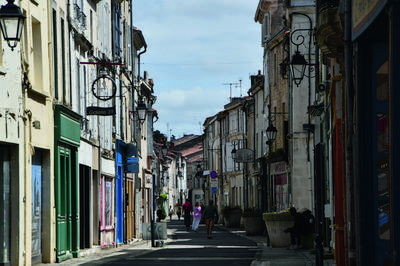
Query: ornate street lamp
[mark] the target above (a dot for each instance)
(271, 133)
(141, 111)
(11, 23)
(233, 152)
(298, 66)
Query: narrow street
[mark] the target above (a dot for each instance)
(181, 248)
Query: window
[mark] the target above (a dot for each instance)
(37, 54)
(55, 54)
(117, 31)
(107, 202)
(63, 62)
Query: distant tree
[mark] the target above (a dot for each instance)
(159, 137)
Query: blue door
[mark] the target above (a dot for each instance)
(37, 206)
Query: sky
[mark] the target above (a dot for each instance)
(195, 49)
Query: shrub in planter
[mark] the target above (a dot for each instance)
(276, 223)
(253, 222)
(232, 216)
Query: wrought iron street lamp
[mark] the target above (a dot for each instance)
(233, 152)
(298, 66)
(141, 111)
(11, 23)
(271, 133)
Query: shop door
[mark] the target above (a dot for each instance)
(381, 160)
(130, 211)
(63, 184)
(5, 210)
(37, 206)
(84, 206)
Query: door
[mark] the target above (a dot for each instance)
(5, 182)
(84, 206)
(130, 211)
(37, 206)
(63, 187)
(381, 159)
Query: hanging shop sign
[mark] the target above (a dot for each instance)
(104, 88)
(94, 110)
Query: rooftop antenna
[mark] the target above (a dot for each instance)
(240, 87)
(230, 89)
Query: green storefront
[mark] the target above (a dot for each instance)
(66, 171)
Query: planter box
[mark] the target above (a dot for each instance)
(233, 219)
(253, 225)
(276, 223)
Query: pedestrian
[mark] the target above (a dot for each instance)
(170, 212)
(296, 230)
(179, 212)
(210, 213)
(196, 217)
(187, 211)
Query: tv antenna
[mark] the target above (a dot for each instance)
(230, 88)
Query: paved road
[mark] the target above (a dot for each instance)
(183, 248)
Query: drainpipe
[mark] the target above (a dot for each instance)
(351, 181)
(222, 166)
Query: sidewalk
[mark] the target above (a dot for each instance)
(269, 256)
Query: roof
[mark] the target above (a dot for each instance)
(197, 148)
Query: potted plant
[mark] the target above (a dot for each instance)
(276, 222)
(253, 221)
(232, 216)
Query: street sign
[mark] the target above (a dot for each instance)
(213, 174)
(132, 165)
(213, 190)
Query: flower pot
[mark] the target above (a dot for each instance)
(253, 225)
(233, 218)
(276, 223)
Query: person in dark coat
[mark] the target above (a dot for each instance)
(179, 213)
(297, 229)
(210, 213)
(187, 211)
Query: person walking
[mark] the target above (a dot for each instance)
(210, 213)
(179, 212)
(196, 217)
(187, 211)
(170, 212)
(296, 230)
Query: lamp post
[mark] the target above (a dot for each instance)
(271, 133)
(11, 23)
(141, 111)
(298, 65)
(233, 152)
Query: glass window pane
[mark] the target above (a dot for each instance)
(382, 137)
(382, 82)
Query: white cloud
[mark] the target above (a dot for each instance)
(194, 47)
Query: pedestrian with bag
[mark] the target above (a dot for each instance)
(179, 213)
(210, 213)
(196, 217)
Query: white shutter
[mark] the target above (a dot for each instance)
(264, 30)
